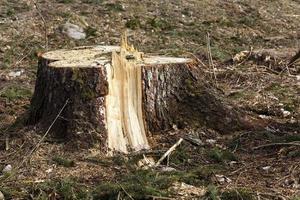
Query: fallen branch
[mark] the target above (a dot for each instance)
(294, 59)
(46, 133)
(169, 152)
(277, 144)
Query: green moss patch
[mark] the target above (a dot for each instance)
(220, 155)
(15, 93)
(63, 161)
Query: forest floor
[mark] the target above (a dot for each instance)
(232, 166)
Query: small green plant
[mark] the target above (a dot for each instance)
(158, 23)
(180, 156)
(63, 161)
(133, 23)
(237, 194)
(10, 12)
(139, 184)
(117, 7)
(212, 193)
(90, 32)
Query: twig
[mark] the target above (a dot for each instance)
(21, 59)
(119, 195)
(40, 141)
(158, 197)
(44, 23)
(210, 60)
(277, 144)
(202, 63)
(248, 56)
(126, 192)
(169, 152)
(294, 58)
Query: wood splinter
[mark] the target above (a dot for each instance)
(168, 152)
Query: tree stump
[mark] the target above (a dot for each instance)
(117, 96)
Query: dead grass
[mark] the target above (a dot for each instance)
(169, 28)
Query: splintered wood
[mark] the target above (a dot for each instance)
(125, 122)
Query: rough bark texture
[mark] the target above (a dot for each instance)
(177, 94)
(82, 120)
(173, 93)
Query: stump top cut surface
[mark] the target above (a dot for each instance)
(97, 56)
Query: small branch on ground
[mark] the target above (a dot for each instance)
(210, 60)
(294, 58)
(169, 152)
(277, 144)
(44, 23)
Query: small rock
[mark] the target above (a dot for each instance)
(264, 116)
(167, 169)
(285, 113)
(266, 168)
(231, 163)
(211, 141)
(223, 179)
(16, 73)
(39, 181)
(7, 169)
(73, 31)
(1, 196)
(187, 190)
(49, 170)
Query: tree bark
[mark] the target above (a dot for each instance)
(117, 96)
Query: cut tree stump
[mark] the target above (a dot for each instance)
(117, 96)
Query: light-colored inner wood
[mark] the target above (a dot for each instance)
(97, 56)
(125, 124)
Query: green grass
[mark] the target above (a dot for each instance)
(159, 23)
(133, 23)
(13, 93)
(237, 194)
(92, 1)
(180, 156)
(67, 189)
(116, 7)
(295, 198)
(221, 156)
(212, 193)
(63, 161)
(65, 1)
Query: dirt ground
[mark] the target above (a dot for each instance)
(239, 165)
